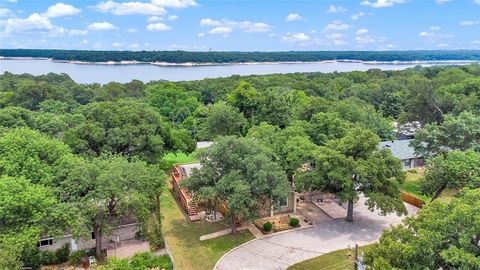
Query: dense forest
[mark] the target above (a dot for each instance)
(240, 57)
(78, 156)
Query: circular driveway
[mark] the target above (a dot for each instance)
(283, 250)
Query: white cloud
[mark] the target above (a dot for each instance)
(201, 34)
(443, 45)
(132, 30)
(244, 26)
(362, 36)
(154, 19)
(336, 9)
(296, 37)
(172, 17)
(434, 36)
(61, 10)
(361, 31)
(209, 22)
(84, 42)
(382, 3)
(102, 26)
(440, 2)
(293, 17)
(175, 3)
(133, 46)
(221, 30)
(476, 2)
(357, 15)
(468, 23)
(12, 1)
(337, 26)
(34, 23)
(434, 28)
(116, 44)
(129, 8)
(77, 32)
(4, 12)
(158, 27)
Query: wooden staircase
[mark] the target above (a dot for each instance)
(192, 210)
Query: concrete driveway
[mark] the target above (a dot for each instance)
(283, 250)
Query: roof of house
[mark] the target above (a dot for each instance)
(400, 148)
(204, 144)
(186, 169)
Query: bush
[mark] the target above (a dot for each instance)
(267, 226)
(62, 254)
(140, 261)
(294, 222)
(77, 256)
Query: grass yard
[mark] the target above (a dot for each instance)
(189, 253)
(412, 186)
(336, 260)
(179, 157)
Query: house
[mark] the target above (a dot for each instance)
(126, 230)
(182, 171)
(402, 150)
(407, 130)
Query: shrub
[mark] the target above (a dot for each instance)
(47, 257)
(61, 254)
(294, 222)
(77, 256)
(267, 226)
(140, 261)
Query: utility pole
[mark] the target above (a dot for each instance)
(355, 263)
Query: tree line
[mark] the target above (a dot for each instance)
(240, 57)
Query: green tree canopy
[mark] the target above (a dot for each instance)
(460, 132)
(241, 174)
(106, 189)
(441, 236)
(126, 127)
(455, 170)
(354, 165)
(35, 156)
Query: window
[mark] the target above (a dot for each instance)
(407, 163)
(45, 242)
(283, 202)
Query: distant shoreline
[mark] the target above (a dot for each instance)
(193, 64)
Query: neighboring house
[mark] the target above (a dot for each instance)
(402, 150)
(204, 144)
(407, 130)
(126, 230)
(182, 171)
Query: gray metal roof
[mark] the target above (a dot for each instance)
(400, 148)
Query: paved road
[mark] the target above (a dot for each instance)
(283, 250)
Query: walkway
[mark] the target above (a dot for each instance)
(281, 251)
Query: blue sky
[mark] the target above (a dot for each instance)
(267, 25)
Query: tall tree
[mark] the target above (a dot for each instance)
(441, 236)
(239, 173)
(126, 127)
(32, 155)
(26, 212)
(460, 132)
(246, 98)
(105, 189)
(353, 165)
(455, 170)
(221, 119)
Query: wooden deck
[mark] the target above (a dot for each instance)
(331, 208)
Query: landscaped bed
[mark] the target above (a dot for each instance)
(277, 223)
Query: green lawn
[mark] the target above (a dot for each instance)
(189, 253)
(179, 157)
(337, 260)
(412, 186)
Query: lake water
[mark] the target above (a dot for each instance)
(91, 73)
